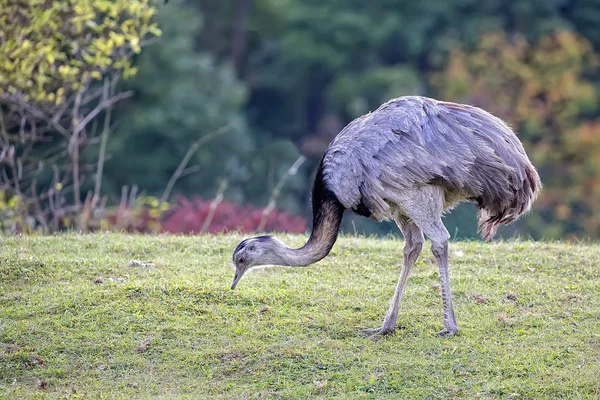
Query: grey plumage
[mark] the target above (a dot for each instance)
(410, 142)
(409, 161)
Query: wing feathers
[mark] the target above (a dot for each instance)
(413, 141)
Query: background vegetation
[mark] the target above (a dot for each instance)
(223, 97)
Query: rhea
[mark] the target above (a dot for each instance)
(409, 161)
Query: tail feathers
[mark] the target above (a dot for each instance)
(487, 225)
(506, 211)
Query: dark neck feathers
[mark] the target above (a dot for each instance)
(327, 218)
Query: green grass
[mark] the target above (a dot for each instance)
(529, 315)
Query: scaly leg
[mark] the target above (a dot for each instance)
(440, 251)
(424, 206)
(414, 243)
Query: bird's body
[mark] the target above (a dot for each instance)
(412, 142)
(411, 160)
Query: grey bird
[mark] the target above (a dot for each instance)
(410, 161)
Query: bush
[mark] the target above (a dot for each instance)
(150, 215)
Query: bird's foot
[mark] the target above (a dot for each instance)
(377, 332)
(448, 331)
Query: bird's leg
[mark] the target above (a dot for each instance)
(424, 207)
(412, 249)
(440, 251)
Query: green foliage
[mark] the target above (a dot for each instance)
(76, 315)
(190, 97)
(584, 16)
(11, 212)
(316, 65)
(318, 47)
(306, 68)
(52, 47)
(359, 93)
(51, 103)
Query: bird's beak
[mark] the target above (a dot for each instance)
(236, 279)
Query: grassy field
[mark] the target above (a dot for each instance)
(77, 321)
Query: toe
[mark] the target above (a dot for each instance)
(371, 331)
(447, 332)
(378, 331)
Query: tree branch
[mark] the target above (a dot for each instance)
(213, 205)
(186, 159)
(102, 153)
(277, 191)
(74, 149)
(103, 104)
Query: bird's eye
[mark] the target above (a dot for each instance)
(251, 248)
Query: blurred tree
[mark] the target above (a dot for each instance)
(315, 57)
(180, 96)
(543, 90)
(583, 16)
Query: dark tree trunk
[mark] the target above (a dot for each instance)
(238, 33)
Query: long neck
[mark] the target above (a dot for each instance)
(327, 217)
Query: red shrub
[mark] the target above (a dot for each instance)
(189, 216)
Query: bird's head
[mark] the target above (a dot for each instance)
(260, 250)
